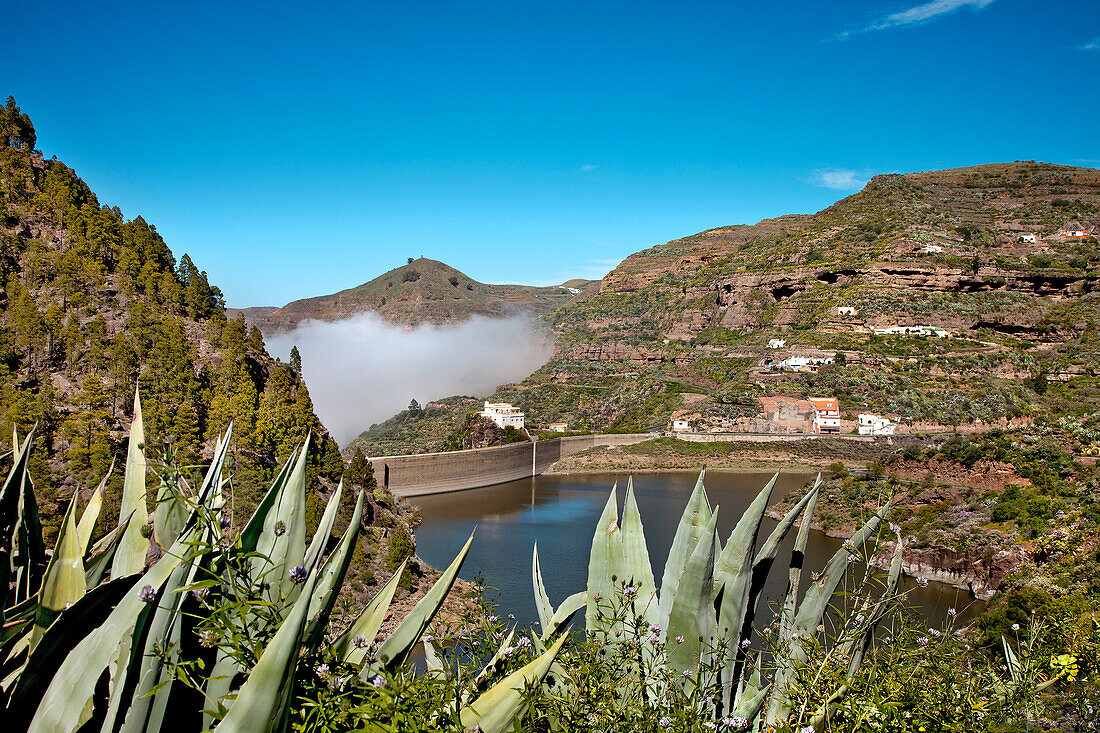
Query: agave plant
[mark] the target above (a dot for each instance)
(702, 615)
(211, 632)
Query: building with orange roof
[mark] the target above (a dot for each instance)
(826, 415)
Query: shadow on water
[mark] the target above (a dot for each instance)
(560, 512)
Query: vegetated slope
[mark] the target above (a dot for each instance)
(93, 306)
(683, 327)
(422, 291)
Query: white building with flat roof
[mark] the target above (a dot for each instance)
(504, 414)
(875, 425)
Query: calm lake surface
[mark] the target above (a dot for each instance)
(560, 512)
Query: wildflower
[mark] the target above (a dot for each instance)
(745, 643)
(922, 582)
(630, 591)
(895, 528)
(523, 642)
(654, 639)
(298, 574)
(148, 594)
(200, 593)
(323, 671)
(1015, 627)
(280, 528)
(428, 637)
(492, 619)
(378, 681)
(224, 521)
(679, 640)
(737, 722)
(951, 612)
(360, 642)
(511, 617)
(808, 729)
(208, 638)
(711, 724)
(923, 641)
(655, 628)
(687, 673)
(934, 632)
(664, 722)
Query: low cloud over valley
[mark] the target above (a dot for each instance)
(363, 370)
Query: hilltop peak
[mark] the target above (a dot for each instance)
(422, 290)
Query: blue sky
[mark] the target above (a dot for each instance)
(297, 148)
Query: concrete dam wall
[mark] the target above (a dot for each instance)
(435, 473)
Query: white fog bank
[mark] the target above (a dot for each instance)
(363, 370)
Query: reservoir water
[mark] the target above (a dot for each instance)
(560, 512)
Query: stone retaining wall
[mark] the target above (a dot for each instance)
(434, 473)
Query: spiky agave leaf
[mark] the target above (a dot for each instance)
(564, 614)
(636, 564)
(494, 711)
(395, 650)
(262, 704)
(695, 517)
(282, 545)
(368, 622)
(63, 705)
(692, 613)
(786, 663)
(811, 612)
(332, 574)
(130, 556)
(321, 537)
(86, 526)
(64, 582)
(605, 564)
(72, 626)
(542, 601)
(733, 573)
(10, 517)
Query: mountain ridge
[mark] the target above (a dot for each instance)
(421, 291)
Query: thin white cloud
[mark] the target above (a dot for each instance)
(589, 167)
(1093, 45)
(839, 179)
(917, 15)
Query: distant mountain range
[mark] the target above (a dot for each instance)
(422, 291)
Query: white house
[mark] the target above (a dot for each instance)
(931, 248)
(795, 363)
(559, 427)
(912, 331)
(503, 414)
(826, 414)
(777, 344)
(845, 310)
(875, 425)
(681, 426)
(1029, 238)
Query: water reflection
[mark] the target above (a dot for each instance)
(560, 513)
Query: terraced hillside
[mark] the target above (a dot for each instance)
(422, 291)
(683, 328)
